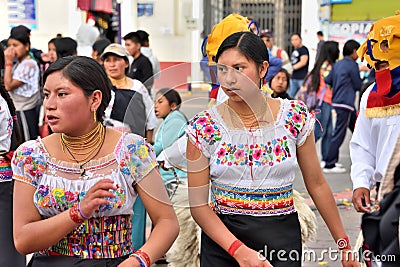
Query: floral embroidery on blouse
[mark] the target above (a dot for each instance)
(206, 128)
(296, 117)
(274, 151)
(137, 150)
(34, 164)
(62, 199)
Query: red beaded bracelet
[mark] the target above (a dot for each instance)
(74, 214)
(343, 243)
(8, 64)
(144, 256)
(234, 246)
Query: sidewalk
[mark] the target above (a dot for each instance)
(324, 246)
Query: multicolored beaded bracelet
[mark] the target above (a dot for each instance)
(139, 259)
(144, 256)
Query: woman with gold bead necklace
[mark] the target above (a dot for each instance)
(131, 107)
(74, 189)
(247, 149)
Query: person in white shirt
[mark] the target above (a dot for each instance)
(378, 124)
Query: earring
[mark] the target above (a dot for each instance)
(94, 116)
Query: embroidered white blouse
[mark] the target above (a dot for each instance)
(58, 186)
(252, 170)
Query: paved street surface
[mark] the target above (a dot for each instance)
(340, 185)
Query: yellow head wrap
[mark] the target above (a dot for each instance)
(229, 25)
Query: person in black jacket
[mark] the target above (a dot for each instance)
(141, 68)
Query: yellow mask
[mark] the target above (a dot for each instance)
(387, 29)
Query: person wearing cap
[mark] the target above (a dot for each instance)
(130, 110)
(116, 65)
(141, 68)
(21, 80)
(276, 51)
(378, 123)
(98, 49)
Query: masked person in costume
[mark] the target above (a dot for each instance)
(378, 124)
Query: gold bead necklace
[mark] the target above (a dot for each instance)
(74, 145)
(249, 120)
(120, 83)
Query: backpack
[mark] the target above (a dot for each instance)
(307, 94)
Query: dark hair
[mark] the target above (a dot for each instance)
(52, 41)
(249, 44)
(350, 46)
(100, 45)
(144, 37)
(21, 37)
(329, 52)
(16, 139)
(286, 74)
(133, 36)
(65, 46)
(320, 33)
(171, 95)
(85, 73)
(296, 33)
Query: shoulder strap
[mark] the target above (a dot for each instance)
(279, 53)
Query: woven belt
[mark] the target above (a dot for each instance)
(246, 201)
(97, 238)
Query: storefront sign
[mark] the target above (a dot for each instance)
(22, 12)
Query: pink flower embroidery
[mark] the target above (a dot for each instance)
(293, 130)
(297, 118)
(209, 130)
(201, 120)
(221, 152)
(239, 154)
(277, 150)
(257, 154)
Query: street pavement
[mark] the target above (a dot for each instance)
(318, 250)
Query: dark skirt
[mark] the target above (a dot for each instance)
(28, 123)
(66, 261)
(268, 235)
(9, 256)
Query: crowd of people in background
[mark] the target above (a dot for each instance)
(80, 128)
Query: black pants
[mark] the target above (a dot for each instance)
(339, 133)
(268, 235)
(9, 257)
